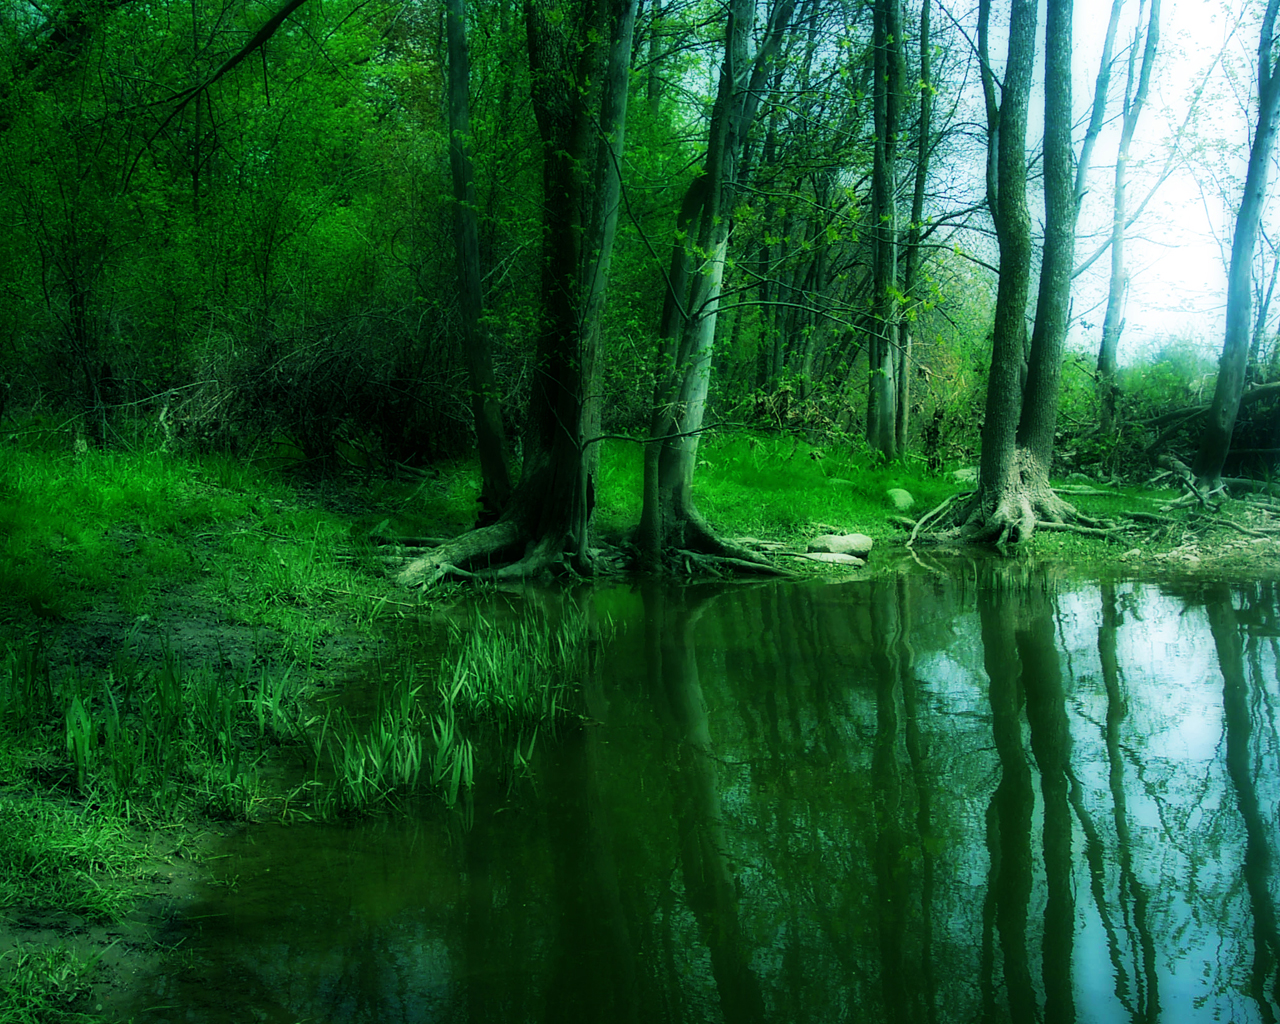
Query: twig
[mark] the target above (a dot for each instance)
(935, 514)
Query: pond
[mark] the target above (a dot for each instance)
(990, 795)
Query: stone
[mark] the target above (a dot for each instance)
(967, 475)
(858, 544)
(900, 498)
(835, 558)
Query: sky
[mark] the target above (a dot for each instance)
(1176, 252)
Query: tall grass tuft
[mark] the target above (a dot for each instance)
(497, 682)
(26, 688)
(515, 674)
(151, 740)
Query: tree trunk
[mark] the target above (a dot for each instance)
(911, 255)
(669, 519)
(486, 407)
(1216, 440)
(1000, 508)
(882, 350)
(580, 59)
(1113, 321)
(1040, 398)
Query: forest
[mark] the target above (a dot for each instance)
(682, 510)
(385, 235)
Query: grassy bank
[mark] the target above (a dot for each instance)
(777, 487)
(173, 634)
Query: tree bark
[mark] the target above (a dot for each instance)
(486, 408)
(1040, 399)
(1216, 440)
(882, 350)
(999, 507)
(580, 60)
(669, 518)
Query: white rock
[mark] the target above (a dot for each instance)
(968, 475)
(834, 558)
(842, 544)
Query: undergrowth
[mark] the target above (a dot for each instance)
(165, 741)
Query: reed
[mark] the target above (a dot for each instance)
(519, 673)
(149, 741)
(26, 688)
(402, 749)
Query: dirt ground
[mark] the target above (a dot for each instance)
(130, 951)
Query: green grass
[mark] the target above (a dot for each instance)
(776, 487)
(58, 858)
(43, 984)
(95, 530)
(148, 741)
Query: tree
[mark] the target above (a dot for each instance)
(915, 233)
(1001, 509)
(1215, 442)
(695, 279)
(883, 345)
(1018, 432)
(579, 62)
(495, 487)
(1039, 417)
(1135, 97)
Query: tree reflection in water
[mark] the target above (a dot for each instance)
(994, 795)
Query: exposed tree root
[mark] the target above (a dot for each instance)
(701, 538)
(935, 515)
(714, 564)
(1005, 516)
(468, 556)
(1246, 486)
(693, 546)
(505, 551)
(1195, 493)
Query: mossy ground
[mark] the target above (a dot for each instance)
(249, 580)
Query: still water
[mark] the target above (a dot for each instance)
(987, 796)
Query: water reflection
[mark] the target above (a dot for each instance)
(995, 796)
